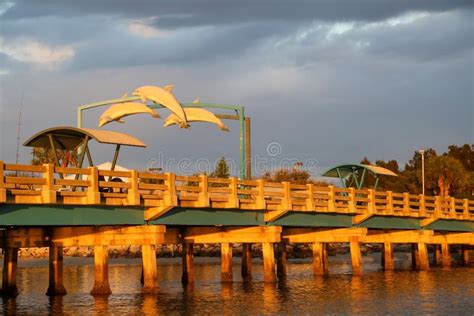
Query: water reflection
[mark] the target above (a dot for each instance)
(101, 304)
(270, 300)
(55, 304)
(376, 292)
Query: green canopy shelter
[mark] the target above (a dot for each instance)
(356, 174)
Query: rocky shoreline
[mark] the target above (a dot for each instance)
(200, 250)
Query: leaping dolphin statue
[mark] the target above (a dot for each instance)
(197, 115)
(165, 97)
(117, 111)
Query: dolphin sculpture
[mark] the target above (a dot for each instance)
(196, 115)
(165, 97)
(117, 111)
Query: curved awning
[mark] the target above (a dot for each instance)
(343, 171)
(355, 173)
(70, 138)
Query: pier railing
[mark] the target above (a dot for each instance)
(47, 184)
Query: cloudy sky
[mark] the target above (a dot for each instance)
(329, 81)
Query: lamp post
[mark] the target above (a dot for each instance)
(422, 153)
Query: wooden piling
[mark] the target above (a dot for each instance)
(320, 258)
(445, 255)
(246, 271)
(150, 282)
(187, 276)
(356, 258)
(388, 263)
(10, 262)
(226, 262)
(415, 258)
(437, 255)
(466, 255)
(269, 275)
(281, 259)
(423, 256)
(101, 271)
(56, 286)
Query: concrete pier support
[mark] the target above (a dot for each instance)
(423, 259)
(10, 262)
(387, 255)
(246, 271)
(101, 271)
(226, 262)
(56, 286)
(269, 275)
(281, 259)
(187, 276)
(356, 258)
(445, 255)
(150, 273)
(320, 258)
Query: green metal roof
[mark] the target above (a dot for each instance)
(345, 170)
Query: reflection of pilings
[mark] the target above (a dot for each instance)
(246, 271)
(281, 259)
(226, 262)
(149, 269)
(187, 264)
(101, 271)
(320, 258)
(101, 304)
(56, 286)
(10, 262)
(56, 305)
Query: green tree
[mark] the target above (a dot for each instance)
(221, 170)
(415, 162)
(294, 175)
(446, 175)
(464, 153)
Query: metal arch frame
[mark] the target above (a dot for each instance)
(244, 166)
(358, 182)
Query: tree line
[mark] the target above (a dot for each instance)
(447, 174)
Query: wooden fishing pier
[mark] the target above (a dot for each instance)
(43, 206)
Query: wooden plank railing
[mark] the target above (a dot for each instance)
(46, 184)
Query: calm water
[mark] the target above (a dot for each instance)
(376, 292)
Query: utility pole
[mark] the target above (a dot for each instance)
(422, 153)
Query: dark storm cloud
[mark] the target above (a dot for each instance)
(197, 45)
(196, 13)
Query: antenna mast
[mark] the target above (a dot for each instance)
(19, 129)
